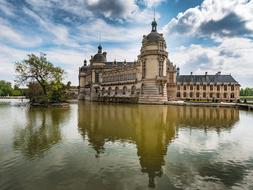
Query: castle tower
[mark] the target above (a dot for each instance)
(153, 58)
(97, 62)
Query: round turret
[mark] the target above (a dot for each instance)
(99, 57)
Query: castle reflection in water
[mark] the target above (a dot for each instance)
(151, 128)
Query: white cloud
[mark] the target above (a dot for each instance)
(112, 33)
(233, 56)
(214, 18)
(8, 56)
(152, 3)
(6, 8)
(8, 34)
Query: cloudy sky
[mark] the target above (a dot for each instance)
(201, 35)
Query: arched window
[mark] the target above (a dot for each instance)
(133, 88)
(109, 91)
(116, 91)
(97, 90)
(103, 91)
(124, 90)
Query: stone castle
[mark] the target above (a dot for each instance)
(151, 79)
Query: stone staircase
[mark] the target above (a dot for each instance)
(151, 94)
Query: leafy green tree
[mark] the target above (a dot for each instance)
(41, 75)
(246, 92)
(5, 88)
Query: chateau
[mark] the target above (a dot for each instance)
(151, 79)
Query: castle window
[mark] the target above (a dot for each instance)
(204, 95)
(225, 87)
(197, 94)
(109, 91)
(178, 94)
(160, 89)
(211, 87)
(191, 87)
(184, 94)
(211, 95)
(184, 87)
(133, 90)
(103, 91)
(143, 70)
(197, 87)
(232, 88)
(204, 87)
(96, 77)
(171, 77)
(218, 95)
(191, 94)
(116, 90)
(161, 68)
(218, 88)
(178, 87)
(232, 95)
(124, 90)
(225, 95)
(142, 89)
(97, 90)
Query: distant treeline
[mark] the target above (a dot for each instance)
(246, 92)
(6, 89)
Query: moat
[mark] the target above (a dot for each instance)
(116, 146)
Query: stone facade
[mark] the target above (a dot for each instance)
(207, 87)
(150, 79)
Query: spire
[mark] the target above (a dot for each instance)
(154, 24)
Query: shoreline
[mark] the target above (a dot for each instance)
(205, 104)
(241, 106)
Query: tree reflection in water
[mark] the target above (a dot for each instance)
(151, 128)
(41, 131)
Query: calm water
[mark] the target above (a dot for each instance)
(95, 146)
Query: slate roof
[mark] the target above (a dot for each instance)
(206, 79)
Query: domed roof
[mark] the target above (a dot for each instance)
(99, 57)
(153, 36)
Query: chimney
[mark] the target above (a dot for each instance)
(205, 73)
(178, 71)
(191, 73)
(219, 73)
